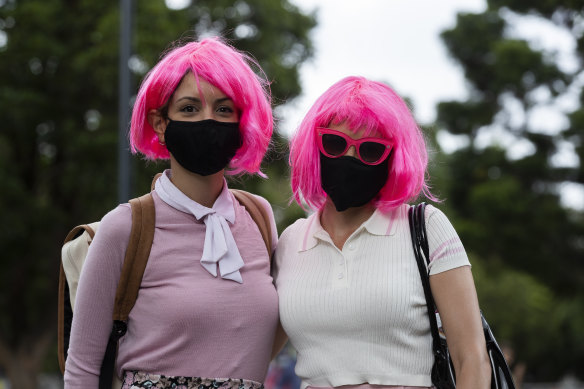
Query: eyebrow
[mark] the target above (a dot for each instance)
(223, 99)
(194, 99)
(197, 100)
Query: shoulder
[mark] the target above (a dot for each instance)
(289, 245)
(264, 203)
(432, 211)
(108, 247)
(291, 236)
(436, 218)
(118, 217)
(257, 199)
(298, 227)
(446, 249)
(273, 228)
(116, 224)
(265, 209)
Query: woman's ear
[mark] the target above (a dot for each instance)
(158, 123)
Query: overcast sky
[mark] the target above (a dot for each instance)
(396, 41)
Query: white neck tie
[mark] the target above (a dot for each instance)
(220, 247)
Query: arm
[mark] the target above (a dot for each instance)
(456, 299)
(280, 337)
(92, 318)
(280, 340)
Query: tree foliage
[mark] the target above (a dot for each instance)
(506, 203)
(58, 137)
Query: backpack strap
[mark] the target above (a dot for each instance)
(258, 213)
(153, 184)
(77, 231)
(137, 253)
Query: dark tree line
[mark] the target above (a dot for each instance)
(58, 132)
(528, 248)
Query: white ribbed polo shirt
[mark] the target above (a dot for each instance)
(358, 315)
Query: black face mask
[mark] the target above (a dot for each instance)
(204, 147)
(350, 182)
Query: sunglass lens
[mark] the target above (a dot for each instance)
(371, 151)
(334, 145)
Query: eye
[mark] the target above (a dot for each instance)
(372, 151)
(334, 145)
(225, 109)
(188, 108)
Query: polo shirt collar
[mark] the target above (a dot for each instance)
(383, 224)
(379, 223)
(312, 232)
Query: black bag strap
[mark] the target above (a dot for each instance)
(416, 216)
(137, 254)
(501, 377)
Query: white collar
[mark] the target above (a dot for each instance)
(220, 247)
(379, 223)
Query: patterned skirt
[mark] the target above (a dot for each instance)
(139, 379)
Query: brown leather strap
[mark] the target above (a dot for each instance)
(137, 253)
(154, 180)
(258, 213)
(74, 233)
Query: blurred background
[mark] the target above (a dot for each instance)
(497, 86)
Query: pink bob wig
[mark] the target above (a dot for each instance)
(227, 69)
(373, 106)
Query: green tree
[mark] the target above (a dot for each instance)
(58, 104)
(506, 205)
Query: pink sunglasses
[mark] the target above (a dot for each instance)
(334, 144)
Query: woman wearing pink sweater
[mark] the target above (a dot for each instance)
(207, 310)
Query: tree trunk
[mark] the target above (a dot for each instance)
(24, 364)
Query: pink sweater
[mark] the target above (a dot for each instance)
(185, 322)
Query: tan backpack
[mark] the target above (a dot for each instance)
(73, 255)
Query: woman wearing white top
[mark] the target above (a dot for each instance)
(351, 299)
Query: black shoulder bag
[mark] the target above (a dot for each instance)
(443, 376)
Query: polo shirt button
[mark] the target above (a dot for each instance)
(351, 247)
(340, 276)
